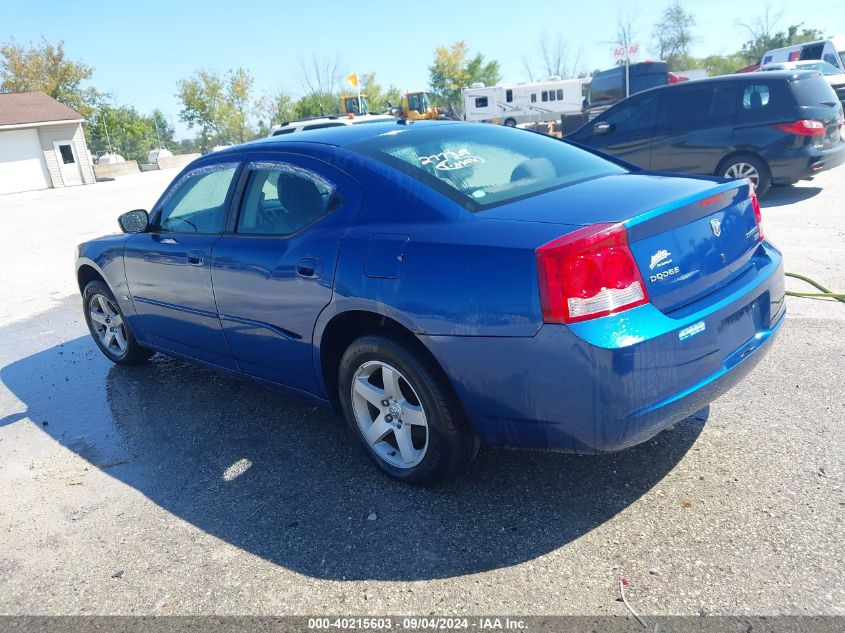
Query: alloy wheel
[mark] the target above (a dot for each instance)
(743, 170)
(107, 324)
(390, 414)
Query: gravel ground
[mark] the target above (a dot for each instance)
(169, 489)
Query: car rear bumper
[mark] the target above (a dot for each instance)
(805, 163)
(611, 383)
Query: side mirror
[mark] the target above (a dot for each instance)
(135, 221)
(602, 128)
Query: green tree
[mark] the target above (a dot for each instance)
(452, 71)
(316, 104)
(218, 104)
(272, 109)
(762, 40)
(239, 86)
(164, 130)
(45, 68)
(124, 130)
(721, 64)
(673, 34)
(377, 96)
(189, 146)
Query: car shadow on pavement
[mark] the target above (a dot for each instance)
(786, 195)
(286, 481)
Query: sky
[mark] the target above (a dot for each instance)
(139, 50)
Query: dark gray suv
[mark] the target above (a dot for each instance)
(771, 127)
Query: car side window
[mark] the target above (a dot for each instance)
(723, 106)
(321, 126)
(635, 115)
(755, 97)
(687, 107)
(282, 199)
(196, 203)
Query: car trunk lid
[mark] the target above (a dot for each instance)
(687, 240)
(688, 251)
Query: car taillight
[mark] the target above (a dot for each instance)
(755, 204)
(804, 127)
(587, 274)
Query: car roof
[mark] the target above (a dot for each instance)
(787, 75)
(345, 134)
(342, 119)
(763, 75)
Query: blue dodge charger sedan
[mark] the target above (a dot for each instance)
(444, 284)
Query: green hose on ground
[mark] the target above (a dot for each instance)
(824, 294)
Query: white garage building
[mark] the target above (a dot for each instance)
(41, 144)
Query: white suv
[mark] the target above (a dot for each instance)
(333, 120)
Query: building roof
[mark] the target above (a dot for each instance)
(23, 108)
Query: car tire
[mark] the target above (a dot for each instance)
(418, 432)
(108, 326)
(748, 166)
(510, 122)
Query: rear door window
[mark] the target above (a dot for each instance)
(687, 108)
(723, 107)
(282, 199)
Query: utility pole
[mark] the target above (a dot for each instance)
(158, 136)
(106, 130)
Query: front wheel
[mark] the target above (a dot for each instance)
(510, 122)
(108, 326)
(750, 167)
(404, 412)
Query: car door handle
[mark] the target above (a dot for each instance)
(309, 268)
(195, 258)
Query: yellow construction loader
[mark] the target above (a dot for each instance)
(417, 105)
(354, 104)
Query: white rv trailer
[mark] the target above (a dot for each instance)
(530, 102)
(831, 50)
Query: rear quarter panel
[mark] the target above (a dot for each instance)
(457, 273)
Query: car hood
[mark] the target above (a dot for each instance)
(614, 198)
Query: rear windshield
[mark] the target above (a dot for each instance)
(813, 91)
(481, 165)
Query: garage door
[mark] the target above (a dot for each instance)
(22, 165)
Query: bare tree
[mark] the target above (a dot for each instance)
(320, 75)
(626, 28)
(555, 58)
(762, 27)
(528, 65)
